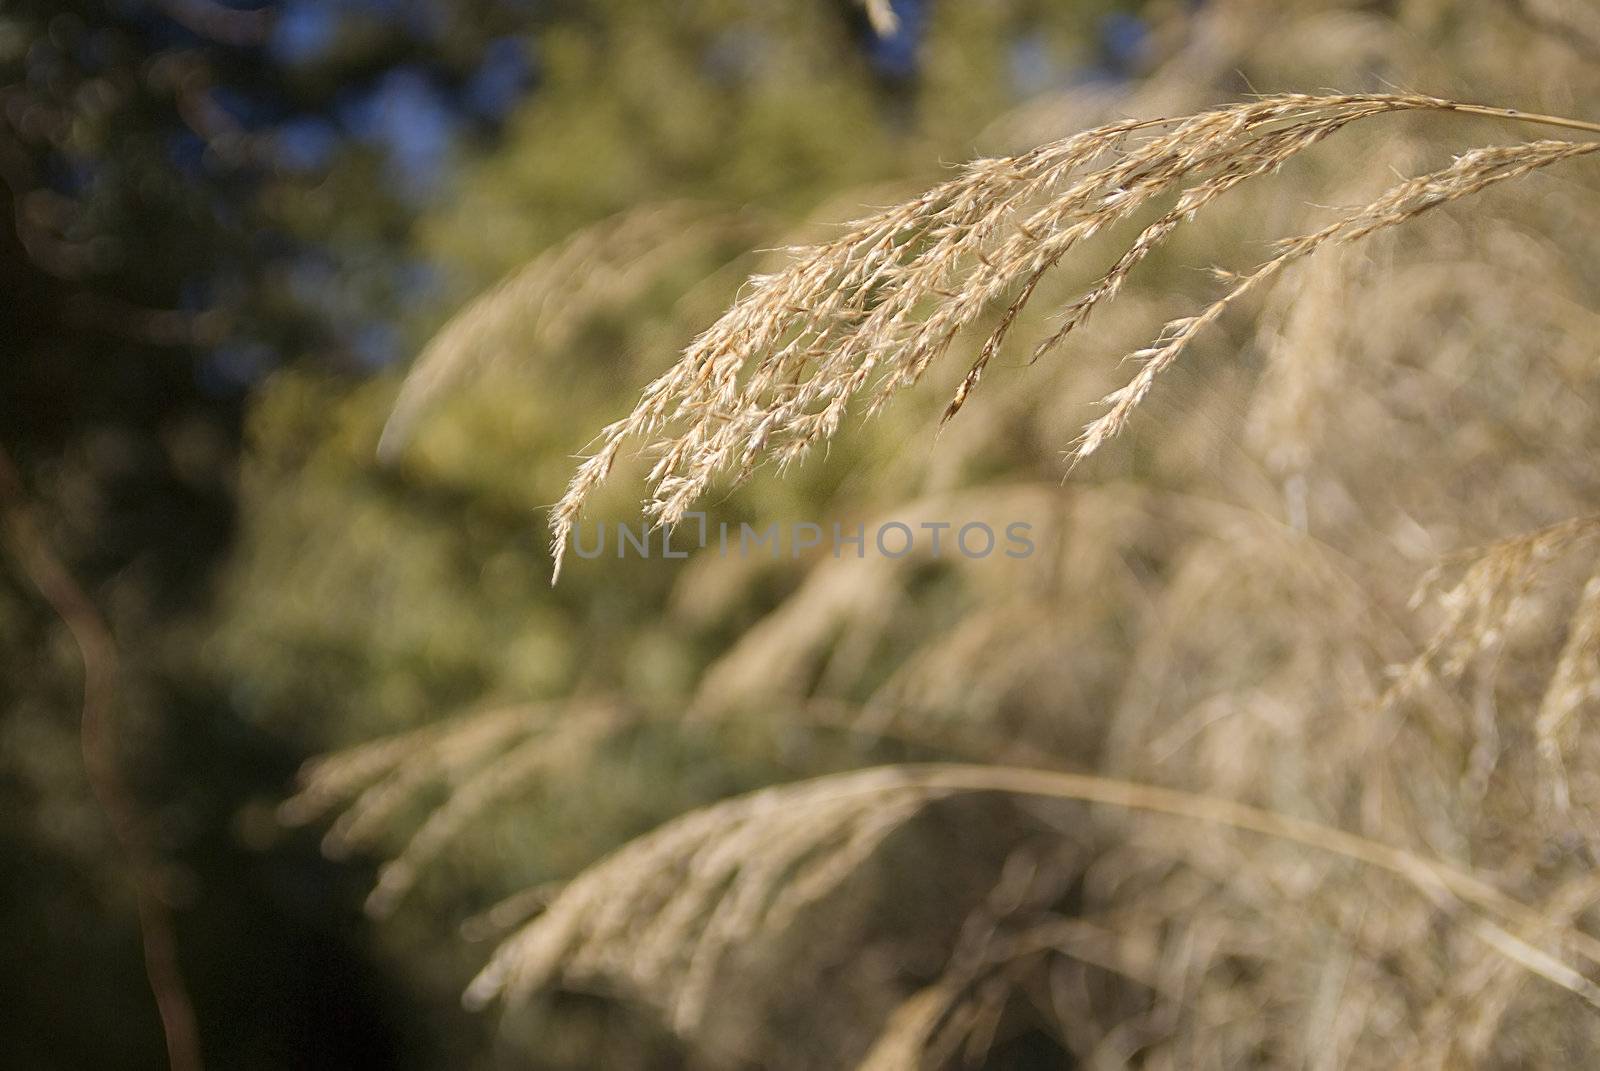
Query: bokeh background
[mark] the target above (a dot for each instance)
(230, 227)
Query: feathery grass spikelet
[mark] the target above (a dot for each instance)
(658, 916)
(869, 312)
(1468, 174)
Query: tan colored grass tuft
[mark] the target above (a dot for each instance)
(1468, 174)
(658, 917)
(869, 312)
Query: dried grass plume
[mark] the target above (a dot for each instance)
(867, 313)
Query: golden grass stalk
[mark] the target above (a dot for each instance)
(1468, 174)
(662, 912)
(870, 311)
